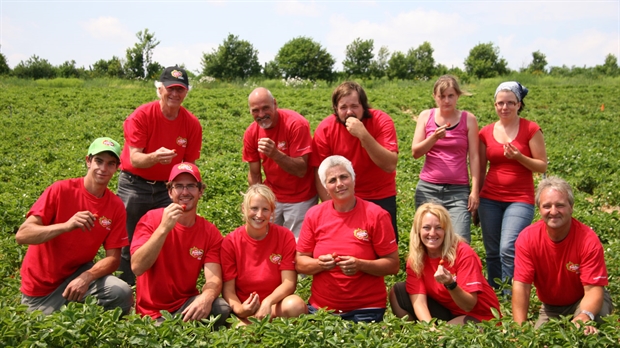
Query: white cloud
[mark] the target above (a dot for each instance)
(297, 8)
(188, 55)
(108, 29)
(444, 31)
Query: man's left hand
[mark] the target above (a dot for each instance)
(199, 309)
(77, 288)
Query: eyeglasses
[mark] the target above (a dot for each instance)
(508, 104)
(190, 187)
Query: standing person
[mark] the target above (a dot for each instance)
(365, 136)
(65, 228)
(171, 247)
(564, 259)
(280, 141)
(158, 135)
(258, 262)
(515, 148)
(448, 138)
(348, 246)
(431, 290)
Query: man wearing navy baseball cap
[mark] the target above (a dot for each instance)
(173, 245)
(158, 135)
(65, 228)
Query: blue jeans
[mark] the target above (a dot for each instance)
(501, 223)
(454, 198)
(367, 315)
(139, 196)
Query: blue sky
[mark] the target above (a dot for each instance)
(572, 33)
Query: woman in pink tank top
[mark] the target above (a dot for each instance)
(448, 137)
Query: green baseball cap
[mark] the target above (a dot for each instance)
(105, 144)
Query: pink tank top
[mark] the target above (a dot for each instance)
(446, 161)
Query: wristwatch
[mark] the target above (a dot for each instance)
(588, 313)
(452, 286)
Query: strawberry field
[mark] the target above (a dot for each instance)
(48, 125)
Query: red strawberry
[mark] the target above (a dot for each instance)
(441, 262)
(448, 124)
(184, 207)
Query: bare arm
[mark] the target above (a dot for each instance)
(254, 174)
(306, 264)
(592, 302)
(382, 157)
(139, 159)
(241, 309)
(320, 189)
(420, 307)
(483, 163)
(473, 143)
(538, 162)
(146, 255)
(32, 231)
(465, 300)
(286, 288)
(77, 288)
(382, 266)
(520, 301)
(421, 144)
(201, 307)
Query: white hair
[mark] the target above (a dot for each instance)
(333, 161)
(161, 84)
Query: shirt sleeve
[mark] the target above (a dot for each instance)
(194, 143)
(227, 257)
(524, 265)
(135, 131)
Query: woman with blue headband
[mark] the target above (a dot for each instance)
(514, 148)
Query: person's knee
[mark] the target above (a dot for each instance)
(293, 306)
(220, 307)
(119, 294)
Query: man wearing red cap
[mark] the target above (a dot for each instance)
(158, 135)
(65, 228)
(170, 247)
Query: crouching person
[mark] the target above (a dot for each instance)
(65, 228)
(169, 249)
(258, 260)
(564, 259)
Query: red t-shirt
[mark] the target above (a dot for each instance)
(149, 129)
(292, 136)
(366, 233)
(48, 264)
(257, 265)
(467, 271)
(508, 180)
(560, 270)
(172, 279)
(332, 138)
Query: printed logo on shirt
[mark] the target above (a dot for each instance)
(282, 145)
(196, 253)
(105, 222)
(361, 234)
(572, 267)
(182, 142)
(275, 258)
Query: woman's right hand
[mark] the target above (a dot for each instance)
(249, 306)
(327, 261)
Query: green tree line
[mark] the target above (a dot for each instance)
(304, 58)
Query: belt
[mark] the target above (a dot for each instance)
(150, 182)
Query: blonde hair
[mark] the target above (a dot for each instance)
(417, 250)
(257, 190)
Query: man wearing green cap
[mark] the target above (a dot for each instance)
(65, 228)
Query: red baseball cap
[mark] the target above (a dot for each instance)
(185, 167)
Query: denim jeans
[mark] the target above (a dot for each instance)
(454, 198)
(367, 315)
(139, 197)
(501, 223)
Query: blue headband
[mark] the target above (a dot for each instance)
(514, 87)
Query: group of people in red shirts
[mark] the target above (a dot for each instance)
(348, 243)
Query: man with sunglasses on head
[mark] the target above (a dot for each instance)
(158, 135)
(171, 246)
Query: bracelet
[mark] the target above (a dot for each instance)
(450, 286)
(588, 313)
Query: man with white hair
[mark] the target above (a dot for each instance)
(158, 135)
